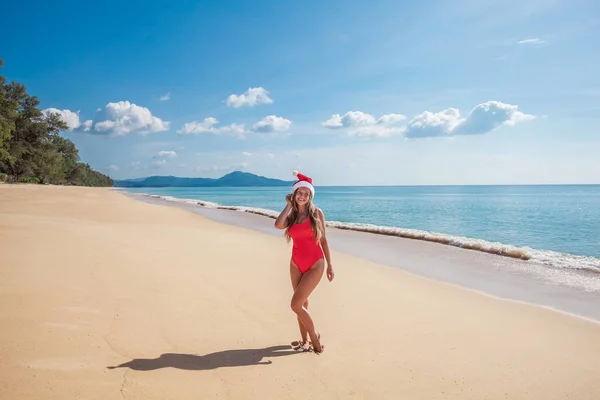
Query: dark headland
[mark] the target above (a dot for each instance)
(233, 179)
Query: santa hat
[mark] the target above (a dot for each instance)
(303, 181)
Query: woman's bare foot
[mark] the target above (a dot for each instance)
(318, 347)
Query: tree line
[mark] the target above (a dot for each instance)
(31, 148)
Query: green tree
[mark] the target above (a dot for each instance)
(7, 122)
(31, 148)
(69, 157)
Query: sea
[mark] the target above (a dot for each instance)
(552, 230)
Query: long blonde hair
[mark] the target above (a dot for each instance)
(313, 215)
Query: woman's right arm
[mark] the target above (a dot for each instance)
(280, 221)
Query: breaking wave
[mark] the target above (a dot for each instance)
(550, 258)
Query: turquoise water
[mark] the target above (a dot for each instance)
(561, 218)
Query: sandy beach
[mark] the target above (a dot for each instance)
(106, 297)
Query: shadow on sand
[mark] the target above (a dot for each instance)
(227, 358)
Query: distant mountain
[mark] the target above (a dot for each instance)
(233, 179)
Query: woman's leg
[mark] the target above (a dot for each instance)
(296, 275)
(308, 282)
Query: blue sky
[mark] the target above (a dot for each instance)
(350, 93)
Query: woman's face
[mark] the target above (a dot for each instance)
(302, 196)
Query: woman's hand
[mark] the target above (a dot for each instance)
(280, 221)
(330, 273)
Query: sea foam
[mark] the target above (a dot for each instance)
(548, 258)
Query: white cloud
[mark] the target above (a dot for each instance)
(159, 164)
(69, 117)
(490, 115)
(270, 155)
(433, 124)
(532, 41)
(375, 130)
(123, 118)
(136, 165)
(483, 118)
(350, 119)
(208, 126)
(166, 154)
(165, 97)
(112, 168)
(390, 119)
(245, 153)
(272, 123)
(250, 98)
(194, 127)
(364, 124)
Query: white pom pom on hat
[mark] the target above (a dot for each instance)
(303, 181)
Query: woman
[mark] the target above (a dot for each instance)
(304, 223)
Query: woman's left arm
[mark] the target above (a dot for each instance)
(325, 246)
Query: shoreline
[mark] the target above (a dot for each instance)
(490, 274)
(553, 258)
(128, 299)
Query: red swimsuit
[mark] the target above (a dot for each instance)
(305, 251)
